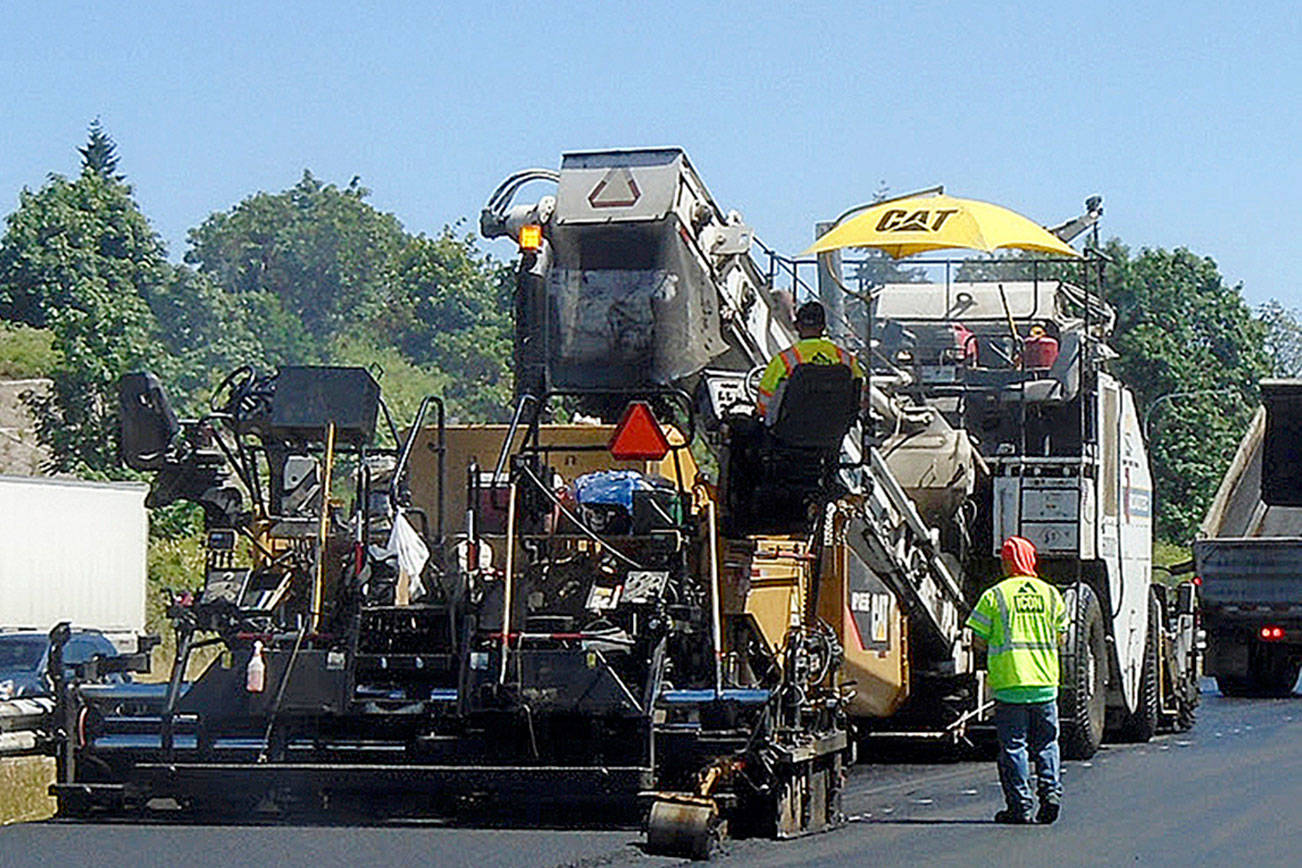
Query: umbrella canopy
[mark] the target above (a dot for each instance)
(922, 223)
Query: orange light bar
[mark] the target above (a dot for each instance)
(530, 236)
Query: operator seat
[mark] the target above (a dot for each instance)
(776, 474)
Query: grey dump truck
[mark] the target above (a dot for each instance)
(1249, 554)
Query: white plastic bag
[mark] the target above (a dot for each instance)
(406, 545)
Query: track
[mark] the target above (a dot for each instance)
(1230, 791)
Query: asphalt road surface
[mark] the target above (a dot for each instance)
(1228, 792)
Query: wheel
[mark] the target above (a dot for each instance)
(1141, 724)
(1082, 699)
(686, 828)
(1232, 685)
(1269, 674)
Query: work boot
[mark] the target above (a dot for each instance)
(1009, 817)
(1048, 812)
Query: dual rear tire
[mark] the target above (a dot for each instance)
(1082, 695)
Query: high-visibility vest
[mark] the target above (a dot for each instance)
(809, 351)
(1020, 620)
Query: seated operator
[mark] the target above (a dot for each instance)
(813, 348)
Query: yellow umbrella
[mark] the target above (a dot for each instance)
(918, 224)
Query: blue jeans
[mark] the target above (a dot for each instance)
(1028, 732)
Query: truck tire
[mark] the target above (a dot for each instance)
(1082, 699)
(1141, 724)
(1232, 685)
(1269, 674)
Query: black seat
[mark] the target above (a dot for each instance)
(148, 423)
(776, 477)
(817, 407)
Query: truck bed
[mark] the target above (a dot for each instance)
(1258, 571)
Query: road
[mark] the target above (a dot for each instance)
(1228, 792)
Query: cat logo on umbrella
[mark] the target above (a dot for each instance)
(900, 220)
(918, 224)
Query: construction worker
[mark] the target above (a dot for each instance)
(1021, 621)
(813, 348)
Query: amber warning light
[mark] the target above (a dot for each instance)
(530, 236)
(638, 436)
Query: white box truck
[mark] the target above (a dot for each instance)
(73, 551)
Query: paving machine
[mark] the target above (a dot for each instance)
(637, 591)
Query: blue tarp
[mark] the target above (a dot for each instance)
(613, 487)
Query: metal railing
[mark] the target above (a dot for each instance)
(26, 725)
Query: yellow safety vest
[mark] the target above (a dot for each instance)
(809, 351)
(1020, 620)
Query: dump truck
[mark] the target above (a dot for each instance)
(637, 592)
(1248, 554)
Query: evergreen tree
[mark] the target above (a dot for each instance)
(100, 154)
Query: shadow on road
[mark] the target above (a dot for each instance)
(932, 821)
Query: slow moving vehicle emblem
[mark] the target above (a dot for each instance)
(616, 189)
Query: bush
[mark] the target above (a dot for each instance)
(25, 352)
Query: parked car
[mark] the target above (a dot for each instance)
(25, 659)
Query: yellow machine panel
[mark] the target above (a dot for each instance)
(766, 578)
(868, 621)
(483, 443)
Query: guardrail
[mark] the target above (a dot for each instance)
(25, 725)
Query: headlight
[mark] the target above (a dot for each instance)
(7, 689)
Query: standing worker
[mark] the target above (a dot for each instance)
(813, 348)
(1021, 621)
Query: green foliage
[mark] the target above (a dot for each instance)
(78, 257)
(207, 331)
(452, 310)
(25, 351)
(1283, 339)
(403, 383)
(310, 261)
(173, 564)
(100, 153)
(1181, 328)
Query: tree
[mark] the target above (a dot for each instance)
(1283, 338)
(308, 263)
(1181, 328)
(207, 330)
(78, 257)
(452, 311)
(100, 153)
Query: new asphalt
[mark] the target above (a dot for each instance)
(1227, 792)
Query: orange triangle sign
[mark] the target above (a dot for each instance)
(638, 436)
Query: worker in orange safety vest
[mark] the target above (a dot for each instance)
(813, 348)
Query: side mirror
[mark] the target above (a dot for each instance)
(148, 423)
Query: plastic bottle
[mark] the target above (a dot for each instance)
(255, 680)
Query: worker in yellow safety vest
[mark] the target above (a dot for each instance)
(813, 348)
(1021, 621)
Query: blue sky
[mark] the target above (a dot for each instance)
(1184, 115)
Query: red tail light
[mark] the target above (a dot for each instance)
(1271, 633)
